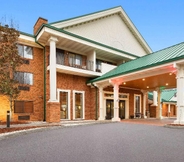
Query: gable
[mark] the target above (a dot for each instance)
(110, 30)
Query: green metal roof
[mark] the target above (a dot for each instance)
(23, 33)
(166, 95)
(154, 59)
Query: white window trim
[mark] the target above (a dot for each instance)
(83, 103)
(68, 91)
(135, 102)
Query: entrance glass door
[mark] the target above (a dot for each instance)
(122, 109)
(110, 109)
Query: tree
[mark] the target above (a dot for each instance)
(10, 60)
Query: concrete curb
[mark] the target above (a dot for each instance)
(174, 126)
(50, 126)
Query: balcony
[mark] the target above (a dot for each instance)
(79, 65)
(74, 66)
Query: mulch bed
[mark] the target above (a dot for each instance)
(5, 130)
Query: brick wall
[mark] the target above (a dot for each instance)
(36, 90)
(173, 111)
(53, 112)
(78, 83)
(165, 110)
(39, 23)
(152, 110)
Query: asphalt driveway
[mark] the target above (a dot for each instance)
(110, 142)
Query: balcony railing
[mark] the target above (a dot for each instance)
(72, 62)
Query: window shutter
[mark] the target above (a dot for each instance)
(28, 107)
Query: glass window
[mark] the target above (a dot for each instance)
(23, 78)
(79, 104)
(64, 105)
(25, 51)
(137, 104)
(59, 57)
(78, 60)
(98, 65)
(75, 59)
(71, 59)
(23, 106)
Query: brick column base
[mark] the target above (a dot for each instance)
(53, 112)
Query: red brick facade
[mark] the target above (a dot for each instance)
(35, 93)
(39, 23)
(165, 112)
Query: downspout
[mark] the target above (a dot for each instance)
(44, 81)
(96, 100)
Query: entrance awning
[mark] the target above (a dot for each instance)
(156, 70)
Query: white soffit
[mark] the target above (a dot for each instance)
(25, 37)
(59, 35)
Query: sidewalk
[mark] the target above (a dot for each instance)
(40, 124)
(151, 121)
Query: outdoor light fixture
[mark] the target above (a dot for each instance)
(166, 84)
(147, 87)
(143, 79)
(124, 83)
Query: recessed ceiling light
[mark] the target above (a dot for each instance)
(124, 83)
(143, 79)
(170, 73)
(166, 84)
(147, 87)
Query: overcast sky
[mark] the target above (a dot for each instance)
(160, 22)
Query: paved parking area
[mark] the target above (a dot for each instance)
(125, 141)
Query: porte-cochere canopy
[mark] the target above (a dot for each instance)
(154, 69)
(163, 69)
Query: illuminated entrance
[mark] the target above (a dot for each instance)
(110, 109)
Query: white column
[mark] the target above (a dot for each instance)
(116, 103)
(101, 117)
(53, 79)
(169, 110)
(144, 103)
(94, 60)
(159, 105)
(180, 94)
(155, 98)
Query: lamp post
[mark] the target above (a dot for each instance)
(8, 119)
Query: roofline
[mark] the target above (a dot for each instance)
(83, 38)
(26, 34)
(52, 23)
(149, 48)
